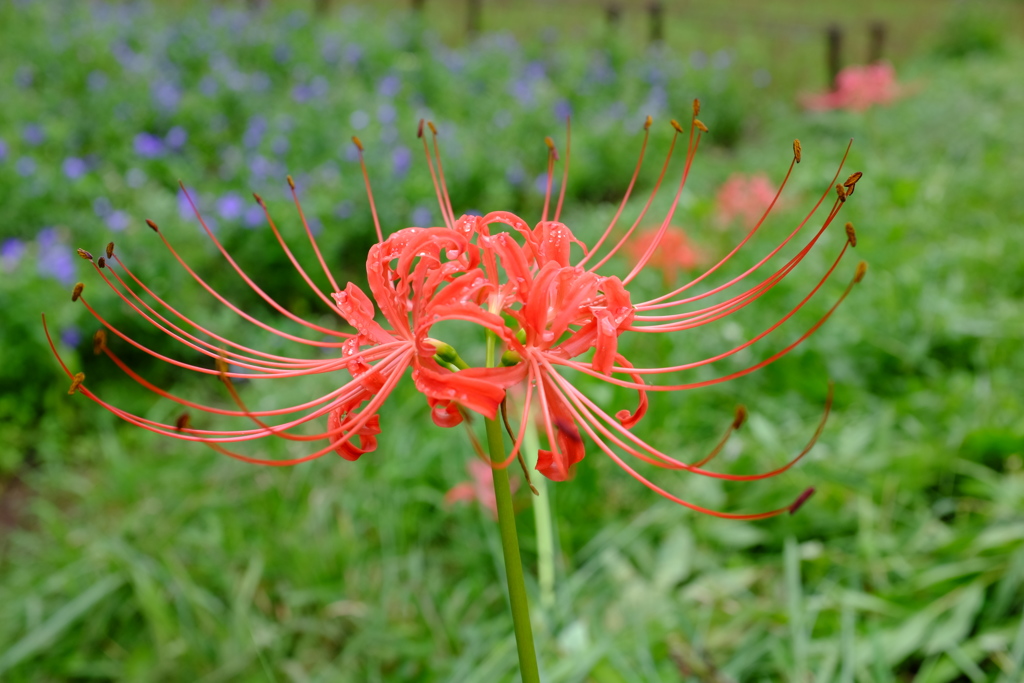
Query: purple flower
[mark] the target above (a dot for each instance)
(127, 57)
(10, 252)
(33, 134)
(657, 100)
(422, 216)
(331, 51)
(301, 93)
(353, 54)
(515, 175)
(563, 109)
(343, 210)
(176, 137)
(259, 81)
(540, 183)
(386, 113)
(118, 221)
(166, 96)
(71, 336)
(282, 54)
(254, 216)
(522, 90)
(261, 167)
(54, 257)
(389, 86)
(3, 150)
(231, 206)
(208, 85)
(74, 168)
(254, 132)
(318, 86)
(600, 69)
(148, 145)
(279, 146)
(401, 160)
(316, 226)
(534, 71)
(101, 207)
(24, 77)
(26, 166)
(97, 81)
(184, 207)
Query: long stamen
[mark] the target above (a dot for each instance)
(586, 369)
(243, 314)
(249, 281)
(703, 316)
(449, 221)
(212, 409)
(440, 171)
(191, 340)
(369, 192)
(312, 241)
(691, 152)
(750, 234)
(552, 158)
(327, 366)
(625, 197)
(654, 192)
(652, 456)
(589, 429)
(565, 169)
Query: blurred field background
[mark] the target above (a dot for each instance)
(128, 557)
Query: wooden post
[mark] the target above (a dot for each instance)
(656, 14)
(613, 15)
(323, 7)
(876, 42)
(473, 8)
(834, 47)
(417, 5)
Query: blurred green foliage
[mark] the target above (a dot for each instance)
(138, 558)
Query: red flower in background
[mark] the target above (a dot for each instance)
(858, 88)
(479, 488)
(745, 198)
(548, 308)
(673, 253)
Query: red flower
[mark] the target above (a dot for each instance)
(858, 88)
(547, 308)
(743, 197)
(479, 488)
(673, 252)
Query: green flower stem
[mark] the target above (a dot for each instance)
(513, 563)
(542, 520)
(510, 546)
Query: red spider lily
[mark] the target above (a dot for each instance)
(858, 88)
(479, 488)
(743, 197)
(673, 252)
(547, 310)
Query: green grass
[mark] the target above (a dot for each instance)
(140, 559)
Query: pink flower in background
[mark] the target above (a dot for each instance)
(743, 197)
(479, 488)
(673, 254)
(857, 88)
